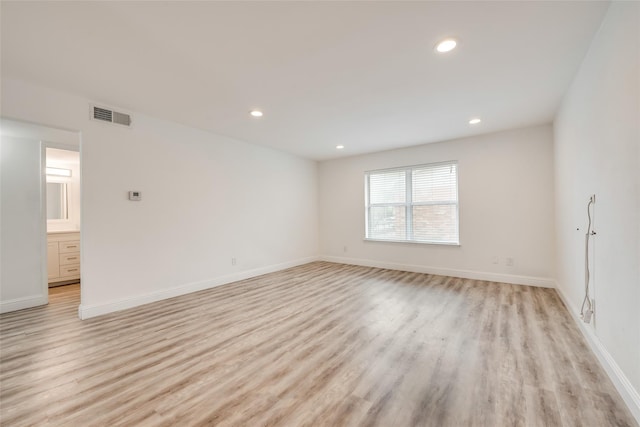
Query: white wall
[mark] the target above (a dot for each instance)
(597, 135)
(205, 199)
(21, 224)
(506, 208)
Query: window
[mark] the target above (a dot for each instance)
(413, 204)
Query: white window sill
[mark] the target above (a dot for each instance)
(415, 242)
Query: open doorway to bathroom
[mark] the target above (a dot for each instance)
(62, 190)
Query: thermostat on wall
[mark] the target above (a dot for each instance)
(135, 195)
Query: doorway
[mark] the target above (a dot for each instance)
(62, 189)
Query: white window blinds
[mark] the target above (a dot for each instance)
(414, 204)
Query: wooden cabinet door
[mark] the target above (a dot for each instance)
(53, 263)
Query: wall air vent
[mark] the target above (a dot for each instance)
(106, 115)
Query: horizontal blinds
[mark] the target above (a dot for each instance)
(418, 203)
(387, 187)
(435, 184)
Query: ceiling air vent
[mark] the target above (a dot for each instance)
(106, 115)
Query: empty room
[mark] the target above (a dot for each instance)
(320, 213)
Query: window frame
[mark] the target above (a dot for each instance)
(409, 204)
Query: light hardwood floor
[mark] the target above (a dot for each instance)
(318, 345)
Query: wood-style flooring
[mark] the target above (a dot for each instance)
(318, 345)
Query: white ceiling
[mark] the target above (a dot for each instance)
(361, 74)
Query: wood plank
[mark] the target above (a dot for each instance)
(319, 345)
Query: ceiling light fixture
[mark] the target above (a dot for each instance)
(256, 113)
(339, 147)
(474, 121)
(446, 45)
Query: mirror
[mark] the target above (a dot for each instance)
(57, 201)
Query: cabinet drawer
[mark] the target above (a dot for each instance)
(69, 271)
(70, 246)
(70, 258)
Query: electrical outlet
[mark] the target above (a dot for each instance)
(495, 259)
(233, 261)
(345, 249)
(593, 198)
(509, 261)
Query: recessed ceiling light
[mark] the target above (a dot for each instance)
(339, 147)
(446, 45)
(474, 121)
(256, 113)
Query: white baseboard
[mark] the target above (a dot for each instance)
(629, 394)
(88, 311)
(541, 282)
(22, 303)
